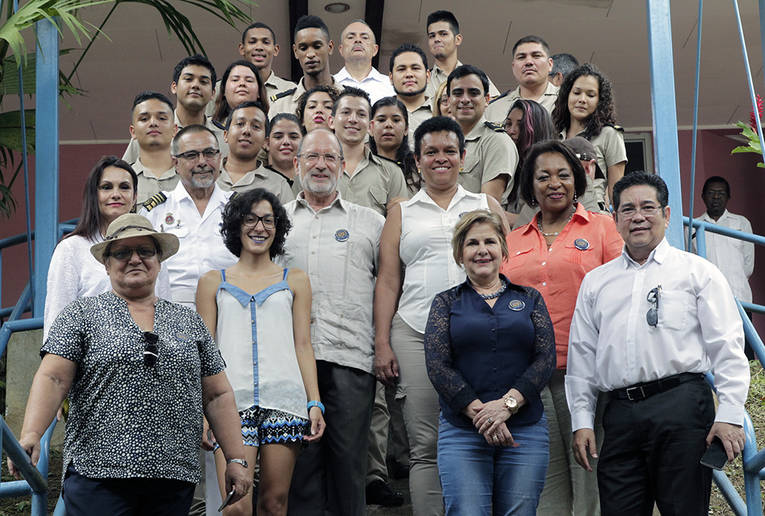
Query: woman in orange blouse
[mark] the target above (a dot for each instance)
(552, 254)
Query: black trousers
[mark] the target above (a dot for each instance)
(85, 496)
(330, 476)
(651, 452)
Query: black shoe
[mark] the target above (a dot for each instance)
(380, 493)
(397, 470)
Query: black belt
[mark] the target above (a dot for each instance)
(641, 391)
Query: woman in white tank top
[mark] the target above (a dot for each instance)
(417, 236)
(260, 316)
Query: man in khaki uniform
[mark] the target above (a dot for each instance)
(444, 37)
(259, 47)
(312, 48)
(241, 171)
(490, 155)
(531, 68)
(192, 85)
(409, 75)
(152, 128)
(366, 179)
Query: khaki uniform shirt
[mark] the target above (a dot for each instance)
(133, 150)
(338, 248)
(610, 150)
(418, 116)
(149, 184)
(374, 183)
(289, 103)
(499, 108)
(489, 153)
(261, 177)
(438, 77)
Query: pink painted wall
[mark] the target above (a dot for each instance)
(747, 184)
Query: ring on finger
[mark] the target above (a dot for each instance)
(490, 420)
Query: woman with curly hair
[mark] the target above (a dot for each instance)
(585, 107)
(315, 107)
(389, 131)
(241, 82)
(260, 316)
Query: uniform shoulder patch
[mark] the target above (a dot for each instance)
(154, 201)
(501, 96)
(617, 127)
(280, 95)
(494, 127)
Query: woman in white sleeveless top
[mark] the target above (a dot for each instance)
(417, 235)
(260, 316)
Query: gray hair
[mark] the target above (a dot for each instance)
(189, 129)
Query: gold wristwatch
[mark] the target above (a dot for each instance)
(511, 404)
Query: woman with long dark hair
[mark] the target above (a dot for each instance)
(110, 191)
(241, 82)
(389, 128)
(585, 107)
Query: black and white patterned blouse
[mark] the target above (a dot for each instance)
(126, 419)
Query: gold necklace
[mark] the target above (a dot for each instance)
(554, 233)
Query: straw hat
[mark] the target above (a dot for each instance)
(132, 225)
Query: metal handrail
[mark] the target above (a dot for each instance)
(753, 460)
(35, 478)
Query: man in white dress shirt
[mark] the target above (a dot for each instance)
(192, 212)
(646, 327)
(358, 46)
(734, 258)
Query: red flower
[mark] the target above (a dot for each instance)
(752, 119)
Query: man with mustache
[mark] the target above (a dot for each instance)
(153, 129)
(312, 48)
(531, 68)
(365, 179)
(358, 46)
(646, 328)
(192, 212)
(245, 135)
(409, 75)
(337, 243)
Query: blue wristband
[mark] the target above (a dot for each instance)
(315, 403)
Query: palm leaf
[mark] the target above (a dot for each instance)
(58, 12)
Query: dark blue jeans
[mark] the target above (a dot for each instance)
(476, 476)
(125, 496)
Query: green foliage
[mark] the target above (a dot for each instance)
(65, 15)
(754, 142)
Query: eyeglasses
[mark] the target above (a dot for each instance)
(192, 155)
(313, 157)
(251, 220)
(652, 316)
(646, 211)
(150, 350)
(124, 253)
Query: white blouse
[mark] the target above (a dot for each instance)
(426, 251)
(75, 273)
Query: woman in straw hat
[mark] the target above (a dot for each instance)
(139, 371)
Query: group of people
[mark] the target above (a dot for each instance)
(313, 266)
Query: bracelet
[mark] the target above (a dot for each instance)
(315, 403)
(241, 462)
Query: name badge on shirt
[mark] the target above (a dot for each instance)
(581, 244)
(516, 305)
(341, 235)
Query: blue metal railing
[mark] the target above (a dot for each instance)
(35, 478)
(753, 460)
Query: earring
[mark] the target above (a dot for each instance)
(462, 169)
(575, 198)
(533, 202)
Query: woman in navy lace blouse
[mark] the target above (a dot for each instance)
(490, 349)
